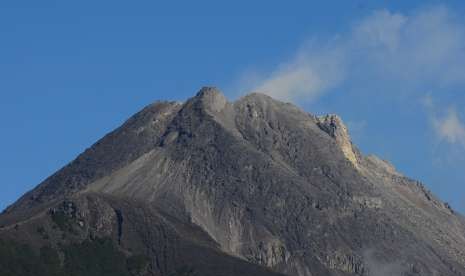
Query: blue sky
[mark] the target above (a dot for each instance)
(71, 71)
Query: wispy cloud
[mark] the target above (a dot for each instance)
(450, 128)
(378, 268)
(425, 47)
(313, 71)
(447, 123)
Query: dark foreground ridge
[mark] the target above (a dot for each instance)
(211, 187)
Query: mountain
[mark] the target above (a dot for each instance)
(211, 187)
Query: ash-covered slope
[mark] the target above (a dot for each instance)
(212, 187)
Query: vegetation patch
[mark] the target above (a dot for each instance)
(137, 264)
(20, 260)
(42, 232)
(97, 257)
(63, 221)
(184, 271)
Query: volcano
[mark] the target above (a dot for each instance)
(213, 187)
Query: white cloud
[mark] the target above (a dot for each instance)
(381, 29)
(423, 48)
(294, 81)
(311, 72)
(447, 125)
(450, 128)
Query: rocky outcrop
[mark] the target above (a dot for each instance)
(333, 125)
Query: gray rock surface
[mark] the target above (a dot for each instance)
(257, 184)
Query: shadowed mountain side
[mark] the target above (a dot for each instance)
(94, 231)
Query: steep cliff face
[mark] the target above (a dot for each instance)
(334, 126)
(257, 185)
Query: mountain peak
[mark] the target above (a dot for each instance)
(211, 98)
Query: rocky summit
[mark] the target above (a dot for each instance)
(213, 187)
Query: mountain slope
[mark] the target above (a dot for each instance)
(246, 187)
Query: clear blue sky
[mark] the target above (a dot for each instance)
(71, 71)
